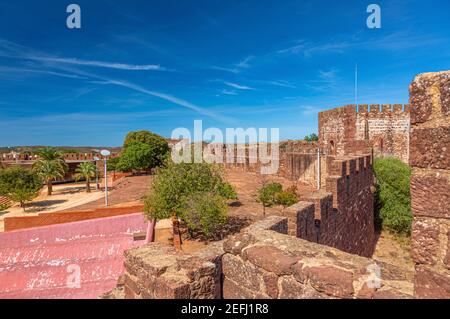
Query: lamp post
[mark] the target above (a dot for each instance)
(105, 154)
(96, 159)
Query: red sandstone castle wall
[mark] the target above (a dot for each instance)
(45, 219)
(430, 183)
(341, 214)
(348, 130)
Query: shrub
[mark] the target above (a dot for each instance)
(286, 198)
(3, 207)
(204, 212)
(267, 195)
(392, 197)
(227, 191)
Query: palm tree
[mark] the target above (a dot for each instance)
(87, 171)
(50, 166)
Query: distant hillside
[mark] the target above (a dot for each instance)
(65, 149)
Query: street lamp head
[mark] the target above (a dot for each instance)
(105, 153)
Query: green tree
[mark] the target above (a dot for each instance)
(158, 145)
(137, 156)
(50, 166)
(174, 184)
(392, 196)
(112, 164)
(19, 185)
(311, 137)
(267, 195)
(86, 171)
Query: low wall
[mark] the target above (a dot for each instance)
(263, 263)
(45, 219)
(260, 262)
(158, 271)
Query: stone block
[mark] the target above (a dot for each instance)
(429, 284)
(330, 280)
(425, 241)
(271, 259)
(430, 194)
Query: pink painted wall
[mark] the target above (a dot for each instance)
(39, 262)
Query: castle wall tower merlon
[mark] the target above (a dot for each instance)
(398, 108)
(386, 108)
(363, 108)
(374, 108)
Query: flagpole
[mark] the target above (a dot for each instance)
(356, 85)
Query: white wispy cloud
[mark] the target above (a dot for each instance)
(281, 83)
(10, 49)
(238, 86)
(328, 75)
(229, 92)
(49, 63)
(244, 63)
(119, 66)
(237, 67)
(396, 41)
(231, 70)
(15, 71)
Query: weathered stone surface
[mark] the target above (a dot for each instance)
(429, 284)
(430, 147)
(366, 292)
(291, 288)
(388, 293)
(235, 244)
(232, 290)
(420, 101)
(430, 194)
(244, 273)
(271, 259)
(330, 280)
(447, 255)
(425, 241)
(271, 284)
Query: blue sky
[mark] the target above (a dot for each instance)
(159, 65)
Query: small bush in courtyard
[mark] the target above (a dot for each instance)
(204, 212)
(392, 197)
(267, 195)
(287, 198)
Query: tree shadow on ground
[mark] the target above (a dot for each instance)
(43, 205)
(73, 190)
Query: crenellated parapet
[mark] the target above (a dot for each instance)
(340, 214)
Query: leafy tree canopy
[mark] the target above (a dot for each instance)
(392, 197)
(311, 138)
(19, 184)
(151, 156)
